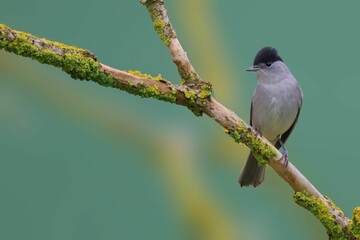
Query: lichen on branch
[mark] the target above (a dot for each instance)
(354, 224)
(82, 64)
(79, 63)
(321, 212)
(244, 135)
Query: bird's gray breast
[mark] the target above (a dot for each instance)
(274, 107)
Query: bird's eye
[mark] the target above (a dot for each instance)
(268, 64)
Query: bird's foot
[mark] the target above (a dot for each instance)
(286, 158)
(258, 132)
(285, 153)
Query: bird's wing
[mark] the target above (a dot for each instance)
(286, 134)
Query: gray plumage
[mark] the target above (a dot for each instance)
(275, 107)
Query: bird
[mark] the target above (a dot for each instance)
(274, 111)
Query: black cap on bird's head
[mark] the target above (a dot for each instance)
(265, 56)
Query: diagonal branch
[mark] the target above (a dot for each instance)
(194, 94)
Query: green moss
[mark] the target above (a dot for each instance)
(262, 152)
(74, 62)
(3, 43)
(148, 76)
(3, 40)
(205, 91)
(187, 77)
(332, 204)
(182, 81)
(68, 47)
(168, 97)
(321, 212)
(22, 46)
(191, 95)
(159, 26)
(354, 225)
(79, 63)
(193, 77)
(48, 56)
(80, 67)
(151, 91)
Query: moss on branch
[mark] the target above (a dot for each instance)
(79, 63)
(354, 225)
(321, 211)
(262, 152)
(159, 26)
(82, 64)
(145, 75)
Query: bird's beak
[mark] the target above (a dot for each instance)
(254, 68)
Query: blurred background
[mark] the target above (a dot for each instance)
(80, 161)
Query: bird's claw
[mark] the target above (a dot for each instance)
(285, 153)
(258, 132)
(286, 158)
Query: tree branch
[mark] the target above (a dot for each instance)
(167, 34)
(193, 93)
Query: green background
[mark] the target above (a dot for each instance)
(80, 161)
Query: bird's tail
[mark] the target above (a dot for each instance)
(251, 173)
